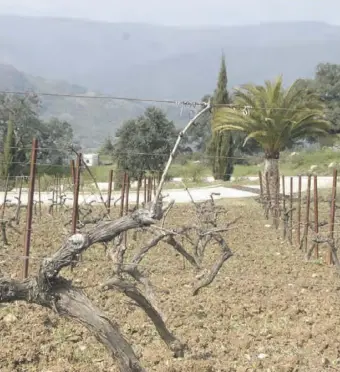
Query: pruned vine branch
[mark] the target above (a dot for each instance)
(51, 290)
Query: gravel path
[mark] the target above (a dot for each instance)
(179, 195)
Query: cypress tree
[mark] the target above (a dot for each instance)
(8, 151)
(221, 147)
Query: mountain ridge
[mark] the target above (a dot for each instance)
(151, 61)
(103, 55)
(92, 118)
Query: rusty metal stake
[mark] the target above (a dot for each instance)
(3, 222)
(39, 196)
(145, 190)
(139, 183)
(127, 191)
(28, 230)
(17, 214)
(298, 236)
(122, 196)
(109, 192)
(332, 215)
(291, 211)
(75, 212)
(306, 229)
(149, 189)
(316, 214)
(73, 172)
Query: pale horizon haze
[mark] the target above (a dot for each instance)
(179, 12)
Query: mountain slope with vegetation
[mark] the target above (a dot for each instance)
(81, 57)
(92, 119)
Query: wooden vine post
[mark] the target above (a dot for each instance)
(122, 195)
(330, 260)
(3, 208)
(73, 172)
(306, 228)
(298, 228)
(109, 192)
(291, 191)
(75, 210)
(316, 214)
(28, 229)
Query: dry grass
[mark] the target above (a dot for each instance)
(267, 309)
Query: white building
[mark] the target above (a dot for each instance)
(91, 160)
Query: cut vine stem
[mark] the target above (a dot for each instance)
(173, 152)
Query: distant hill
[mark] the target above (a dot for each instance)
(123, 58)
(92, 119)
(152, 61)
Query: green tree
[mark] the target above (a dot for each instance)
(276, 118)
(21, 113)
(327, 85)
(7, 163)
(107, 148)
(144, 144)
(200, 133)
(221, 146)
(19, 118)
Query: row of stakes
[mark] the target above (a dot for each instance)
(284, 211)
(147, 184)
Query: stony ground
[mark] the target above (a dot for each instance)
(267, 309)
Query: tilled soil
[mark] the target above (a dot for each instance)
(266, 310)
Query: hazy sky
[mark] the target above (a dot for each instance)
(180, 12)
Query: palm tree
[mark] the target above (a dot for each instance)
(275, 118)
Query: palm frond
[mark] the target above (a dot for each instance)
(277, 116)
(256, 135)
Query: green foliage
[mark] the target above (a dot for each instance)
(221, 146)
(54, 170)
(327, 85)
(7, 164)
(278, 117)
(221, 153)
(194, 172)
(200, 133)
(107, 148)
(299, 163)
(144, 144)
(221, 94)
(100, 173)
(56, 139)
(19, 124)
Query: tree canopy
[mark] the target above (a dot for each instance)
(221, 145)
(144, 143)
(327, 85)
(276, 116)
(19, 123)
(200, 133)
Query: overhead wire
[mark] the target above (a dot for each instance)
(147, 100)
(107, 97)
(201, 155)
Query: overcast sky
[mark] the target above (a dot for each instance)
(180, 12)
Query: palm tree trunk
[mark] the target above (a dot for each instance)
(271, 182)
